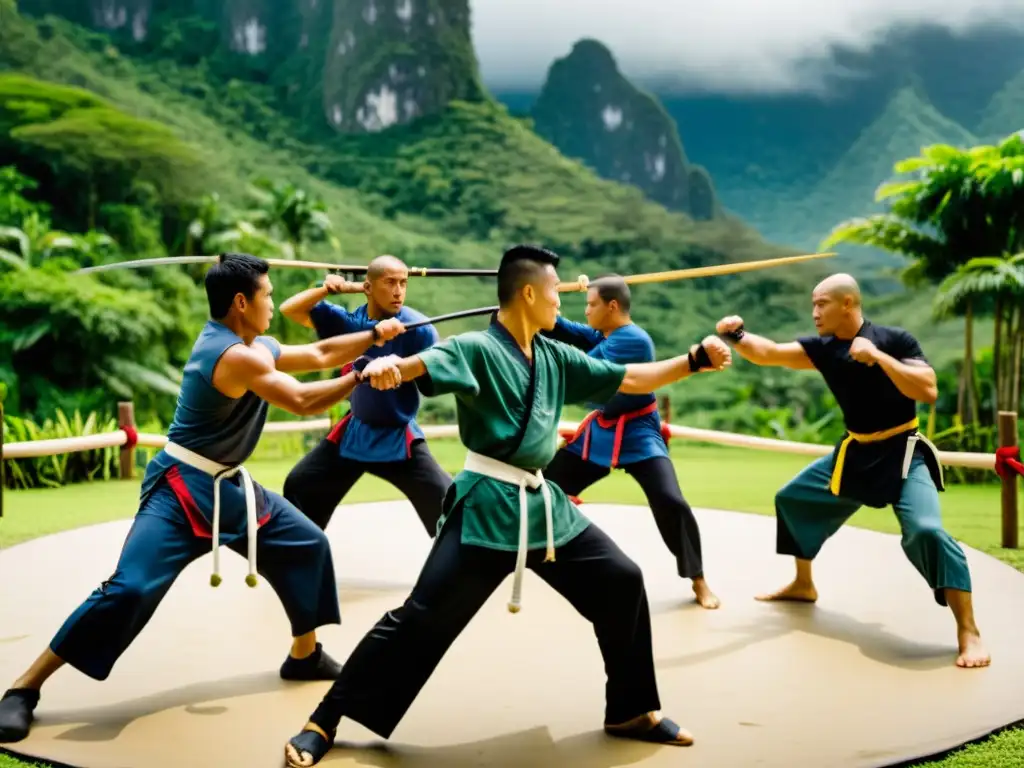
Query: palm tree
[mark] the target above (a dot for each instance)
(952, 206)
(291, 215)
(995, 283)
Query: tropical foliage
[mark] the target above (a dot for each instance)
(62, 469)
(958, 216)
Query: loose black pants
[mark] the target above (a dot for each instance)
(318, 483)
(393, 662)
(657, 478)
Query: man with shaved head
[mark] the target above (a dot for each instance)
(379, 435)
(877, 374)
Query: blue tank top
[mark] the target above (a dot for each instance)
(221, 428)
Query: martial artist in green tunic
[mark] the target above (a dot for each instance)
(501, 515)
(877, 375)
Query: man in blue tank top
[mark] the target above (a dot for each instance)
(626, 431)
(379, 435)
(196, 494)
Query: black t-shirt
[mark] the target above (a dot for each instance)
(867, 396)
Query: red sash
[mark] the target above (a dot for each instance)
(338, 430)
(619, 422)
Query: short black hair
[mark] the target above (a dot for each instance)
(234, 273)
(613, 288)
(521, 265)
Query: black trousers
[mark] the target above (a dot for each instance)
(391, 664)
(318, 483)
(657, 478)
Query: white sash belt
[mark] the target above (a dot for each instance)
(908, 456)
(506, 473)
(218, 472)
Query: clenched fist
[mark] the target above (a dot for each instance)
(718, 351)
(729, 324)
(864, 351)
(387, 330)
(337, 284)
(383, 373)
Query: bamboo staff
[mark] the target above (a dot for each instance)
(282, 263)
(583, 283)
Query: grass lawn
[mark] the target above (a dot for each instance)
(710, 477)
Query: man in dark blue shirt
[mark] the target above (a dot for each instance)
(626, 431)
(379, 434)
(877, 374)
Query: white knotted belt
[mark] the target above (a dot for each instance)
(218, 472)
(908, 456)
(506, 473)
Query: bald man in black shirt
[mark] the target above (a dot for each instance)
(877, 374)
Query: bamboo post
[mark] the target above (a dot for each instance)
(126, 419)
(1008, 439)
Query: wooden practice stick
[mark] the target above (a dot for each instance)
(582, 283)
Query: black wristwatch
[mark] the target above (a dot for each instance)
(375, 332)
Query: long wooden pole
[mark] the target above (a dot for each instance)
(1008, 439)
(163, 261)
(582, 284)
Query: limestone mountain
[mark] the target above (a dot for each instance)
(1004, 114)
(591, 112)
(353, 65)
(908, 123)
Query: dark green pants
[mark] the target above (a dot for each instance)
(808, 514)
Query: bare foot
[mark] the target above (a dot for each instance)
(799, 591)
(705, 597)
(651, 727)
(972, 652)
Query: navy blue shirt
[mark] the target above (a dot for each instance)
(641, 437)
(383, 422)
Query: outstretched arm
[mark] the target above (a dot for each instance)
(577, 334)
(253, 369)
(642, 378)
(335, 351)
(299, 306)
(762, 351)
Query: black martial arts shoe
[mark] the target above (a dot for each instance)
(317, 666)
(307, 748)
(16, 708)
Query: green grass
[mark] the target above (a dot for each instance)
(707, 474)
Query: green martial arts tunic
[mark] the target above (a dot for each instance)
(508, 409)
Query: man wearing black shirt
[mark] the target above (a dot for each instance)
(877, 375)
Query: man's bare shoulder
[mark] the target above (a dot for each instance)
(239, 364)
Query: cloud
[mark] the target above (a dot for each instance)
(728, 45)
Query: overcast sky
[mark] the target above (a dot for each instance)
(730, 45)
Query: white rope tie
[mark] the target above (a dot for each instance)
(219, 472)
(497, 470)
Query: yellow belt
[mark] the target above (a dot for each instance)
(873, 437)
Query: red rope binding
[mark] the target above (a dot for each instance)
(1008, 458)
(132, 434)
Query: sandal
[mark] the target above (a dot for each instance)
(665, 732)
(306, 743)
